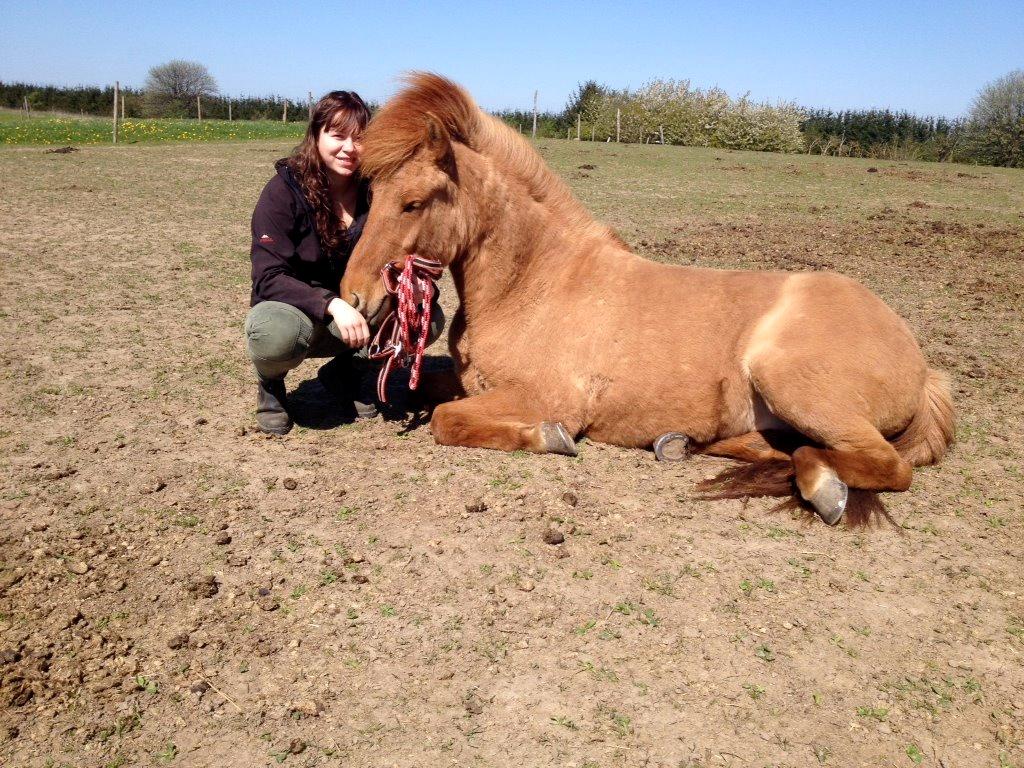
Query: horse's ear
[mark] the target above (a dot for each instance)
(438, 140)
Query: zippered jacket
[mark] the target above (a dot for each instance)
(288, 262)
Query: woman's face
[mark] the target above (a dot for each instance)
(339, 151)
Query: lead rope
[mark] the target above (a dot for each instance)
(394, 342)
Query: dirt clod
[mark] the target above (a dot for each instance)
(477, 506)
(199, 687)
(178, 641)
(290, 483)
(473, 704)
(79, 567)
(297, 746)
(268, 603)
(570, 498)
(360, 578)
(553, 536)
(222, 538)
(204, 586)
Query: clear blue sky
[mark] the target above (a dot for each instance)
(927, 57)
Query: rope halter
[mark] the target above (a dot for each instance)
(402, 336)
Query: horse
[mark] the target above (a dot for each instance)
(563, 332)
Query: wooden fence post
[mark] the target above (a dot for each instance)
(535, 115)
(592, 128)
(661, 131)
(309, 104)
(117, 89)
(229, 110)
(27, 110)
(577, 126)
(199, 107)
(618, 124)
(284, 112)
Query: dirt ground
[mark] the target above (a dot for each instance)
(178, 589)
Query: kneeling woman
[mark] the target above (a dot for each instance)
(305, 225)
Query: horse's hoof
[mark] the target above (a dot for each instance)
(672, 446)
(829, 501)
(556, 439)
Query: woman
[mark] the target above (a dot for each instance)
(305, 225)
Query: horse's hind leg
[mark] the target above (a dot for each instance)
(502, 419)
(856, 456)
(755, 447)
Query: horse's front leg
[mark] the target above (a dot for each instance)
(505, 420)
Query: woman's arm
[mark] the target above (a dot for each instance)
(273, 278)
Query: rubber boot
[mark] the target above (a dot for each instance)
(344, 381)
(271, 407)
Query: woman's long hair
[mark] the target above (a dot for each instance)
(347, 113)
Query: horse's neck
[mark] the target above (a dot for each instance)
(521, 253)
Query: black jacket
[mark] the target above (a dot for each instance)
(288, 262)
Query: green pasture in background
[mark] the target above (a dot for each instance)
(47, 128)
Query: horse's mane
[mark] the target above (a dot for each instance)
(398, 130)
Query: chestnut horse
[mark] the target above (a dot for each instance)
(563, 332)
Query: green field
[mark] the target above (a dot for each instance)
(60, 129)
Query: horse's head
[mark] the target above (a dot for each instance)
(411, 151)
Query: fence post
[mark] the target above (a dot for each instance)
(618, 124)
(309, 104)
(284, 113)
(592, 128)
(661, 131)
(229, 109)
(117, 89)
(27, 110)
(199, 107)
(535, 115)
(577, 126)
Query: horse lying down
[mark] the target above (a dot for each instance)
(563, 332)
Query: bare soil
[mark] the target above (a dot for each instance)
(178, 589)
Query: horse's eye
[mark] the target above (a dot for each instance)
(415, 205)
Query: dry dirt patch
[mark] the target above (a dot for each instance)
(175, 589)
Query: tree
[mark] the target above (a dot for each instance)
(996, 122)
(171, 89)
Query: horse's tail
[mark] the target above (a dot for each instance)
(932, 429)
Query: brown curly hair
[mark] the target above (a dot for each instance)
(347, 113)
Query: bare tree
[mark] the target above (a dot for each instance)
(172, 88)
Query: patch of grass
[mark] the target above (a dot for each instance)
(873, 713)
(586, 627)
(748, 587)
(754, 691)
(50, 129)
(661, 583)
(622, 724)
(565, 722)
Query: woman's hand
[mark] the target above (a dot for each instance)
(351, 324)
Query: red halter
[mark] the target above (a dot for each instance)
(394, 341)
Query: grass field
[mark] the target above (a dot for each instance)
(41, 128)
(178, 590)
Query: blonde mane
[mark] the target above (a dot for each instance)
(398, 130)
